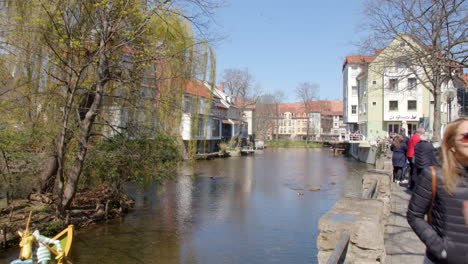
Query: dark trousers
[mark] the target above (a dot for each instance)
(397, 173)
(412, 174)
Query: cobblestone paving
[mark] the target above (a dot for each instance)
(401, 243)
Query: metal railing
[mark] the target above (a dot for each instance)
(369, 193)
(339, 254)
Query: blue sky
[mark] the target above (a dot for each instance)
(283, 43)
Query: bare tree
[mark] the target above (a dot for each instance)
(433, 33)
(267, 114)
(240, 83)
(278, 98)
(307, 92)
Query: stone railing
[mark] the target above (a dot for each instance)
(362, 220)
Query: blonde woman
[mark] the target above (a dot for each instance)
(446, 233)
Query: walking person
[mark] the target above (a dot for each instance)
(399, 148)
(405, 168)
(414, 139)
(424, 155)
(442, 194)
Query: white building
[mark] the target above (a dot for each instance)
(199, 123)
(352, 67)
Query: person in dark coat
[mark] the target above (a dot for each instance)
(405, 168)
(446, 237)
(398, 158)
(414, 139)
(424, 155)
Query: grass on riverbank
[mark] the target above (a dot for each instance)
(292, 144)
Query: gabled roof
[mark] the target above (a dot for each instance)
(358, 59)
(199, 89)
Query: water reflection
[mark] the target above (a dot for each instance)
(236, 210)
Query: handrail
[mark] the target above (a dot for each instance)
(338, 255)
(369, 193)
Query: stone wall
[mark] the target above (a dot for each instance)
(364, 219)
(363, 151)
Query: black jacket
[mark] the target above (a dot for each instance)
(448, 230)
(424, 155)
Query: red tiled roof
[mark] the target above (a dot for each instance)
(358, 59)
(325, 107)
(198, 89)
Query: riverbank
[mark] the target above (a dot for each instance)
(292, 144)
(90, 206)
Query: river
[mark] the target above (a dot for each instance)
(255, 209)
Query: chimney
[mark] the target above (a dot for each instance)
(221, 87)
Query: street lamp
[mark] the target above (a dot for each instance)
(450, 97)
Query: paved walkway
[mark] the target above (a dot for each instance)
(401, 243)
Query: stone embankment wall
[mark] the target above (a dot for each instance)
(364, 219)
(363, 152)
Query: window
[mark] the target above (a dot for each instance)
(412, 83)
(374, 82)
(393, 105)
(354, 109)
(354, 90)
(393, 84)
(215, 131)
(393, 129)
(201, 128)
(411, 129)
(374, 103)
(412, 106)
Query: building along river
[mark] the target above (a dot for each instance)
(255, 209)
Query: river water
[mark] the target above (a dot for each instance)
(255, 209)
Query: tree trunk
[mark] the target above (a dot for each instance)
(277, 123)
(52, 166)
(85, 127)
(237, 135)
(437, 125)
(307, 133)
(80, 155)
(49, 173)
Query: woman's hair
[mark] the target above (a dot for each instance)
(451, 167)
(397, 140)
